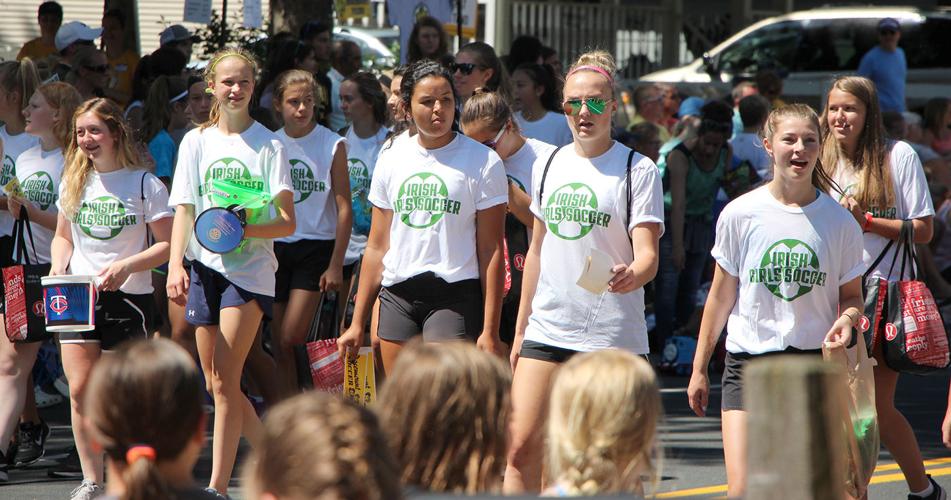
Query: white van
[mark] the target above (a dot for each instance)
(809, 48)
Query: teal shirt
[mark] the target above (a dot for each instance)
(702, 185)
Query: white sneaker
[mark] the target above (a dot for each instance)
(87, 490)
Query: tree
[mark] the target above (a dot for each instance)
(290, 15)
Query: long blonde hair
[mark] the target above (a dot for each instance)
(602, 423)
(78, 165)
(21, 77)
(445, 410)
(215, 112)
(321, 446)
(875, 187)
(820, 178)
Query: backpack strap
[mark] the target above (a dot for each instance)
(630, 195)
(148, 234)
(541, 187)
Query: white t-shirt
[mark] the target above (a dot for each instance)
(255, 158)
(336, 119)
(434, 195)
(13, 146)
(749, 147)
(912, 201)
(310, 159)
(790, 262)
(521, 164)
(39, 173)
(551, 128)
(361, 160)
(584, 200)
(110, 223)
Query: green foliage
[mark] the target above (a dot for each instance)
(219, 34)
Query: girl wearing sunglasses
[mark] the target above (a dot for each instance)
(90, 73)
(594, 195)
(435, 242)
(487, 118)
(478, 66)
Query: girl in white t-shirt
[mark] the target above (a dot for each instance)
(435, 242)
(787, 277)
(108, 205)
(487, 118)
(228, 294)
(536, 102)
(593, 198)
(47, 115)
(882, 184)
(364, 105)
(309, 262)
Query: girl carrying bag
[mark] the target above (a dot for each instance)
(914, 339)
(24, 317)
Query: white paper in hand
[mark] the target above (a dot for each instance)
(596, 272)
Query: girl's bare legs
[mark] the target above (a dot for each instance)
(531, 386)
(78, 361)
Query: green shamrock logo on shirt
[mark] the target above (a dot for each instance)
(304, 183)
(103, 218)
(572, 211)
(789, 269)
(423, 200)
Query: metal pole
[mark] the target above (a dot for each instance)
(224, 25)
(459, 23)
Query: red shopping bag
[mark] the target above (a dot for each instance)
(914, 337)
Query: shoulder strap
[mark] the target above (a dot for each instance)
(148, 234)
(630, 195)
(22, 228)
(541, 186)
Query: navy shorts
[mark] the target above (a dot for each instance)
(210, 291)
(544, 352)
(120, 317)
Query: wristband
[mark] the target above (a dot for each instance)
(851, 318)
(868, 221)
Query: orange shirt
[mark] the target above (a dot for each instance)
(121, 70)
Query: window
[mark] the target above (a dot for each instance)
(770, 47)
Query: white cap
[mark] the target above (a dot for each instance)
(175, 33)
(74, 31)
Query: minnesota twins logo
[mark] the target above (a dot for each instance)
(59, 304)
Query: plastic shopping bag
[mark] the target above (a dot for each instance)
(862, 421)
(359, 384)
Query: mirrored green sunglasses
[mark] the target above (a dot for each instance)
(595, 105)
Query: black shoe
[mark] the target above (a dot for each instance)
(32, 439)
(68, 468)
(937, 494)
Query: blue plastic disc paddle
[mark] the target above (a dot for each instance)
(219, 230)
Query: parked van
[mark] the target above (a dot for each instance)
(809, 48)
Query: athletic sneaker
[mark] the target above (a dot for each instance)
(217, 495)
(32, 439)
(938, 494)
(68, 468)
(87, 490)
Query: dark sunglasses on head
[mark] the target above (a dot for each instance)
(464, 68)
(494, 142)
(98, 69)
(595, 105)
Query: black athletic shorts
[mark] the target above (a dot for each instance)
(120, 317)
(731, 388)
(428, 305)
(544, 352)
(299, 265)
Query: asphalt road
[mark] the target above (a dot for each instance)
(692, 465)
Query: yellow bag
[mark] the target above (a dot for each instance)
(359, 382)
(862, 422)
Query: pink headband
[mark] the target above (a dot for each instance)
(592, 68)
